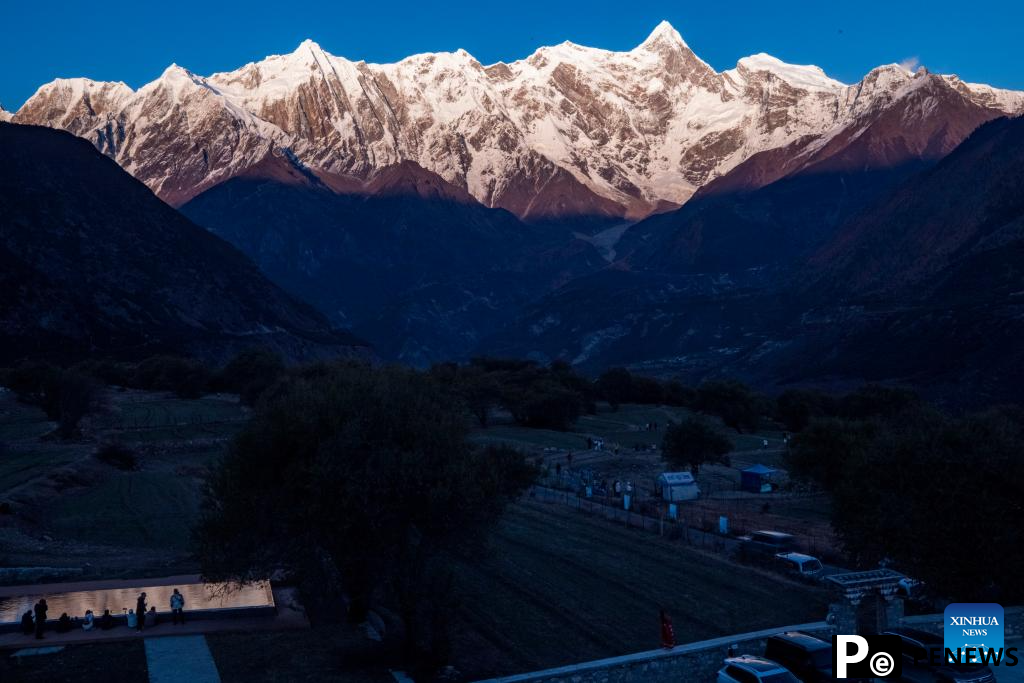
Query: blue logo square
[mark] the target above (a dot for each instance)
(976, 625)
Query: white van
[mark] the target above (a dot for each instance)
(798, 563)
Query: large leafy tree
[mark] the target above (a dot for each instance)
(693, 442)
(938, 496)
(367, 471)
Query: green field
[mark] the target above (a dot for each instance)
(559, 587)
(93, 662)
(92, 504)
(19, 465)
(136, 509)
(624, 427)
(19, 422)
(333, 654)
(146, 412)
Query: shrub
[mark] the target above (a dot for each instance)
(117, 455)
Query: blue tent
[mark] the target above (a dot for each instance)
(756, 478)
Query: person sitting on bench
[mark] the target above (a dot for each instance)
(64, 624)
(28, 625)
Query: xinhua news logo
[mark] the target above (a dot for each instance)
(972, 630)
(867, 656)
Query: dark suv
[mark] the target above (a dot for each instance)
(809, 658)
(920, 648)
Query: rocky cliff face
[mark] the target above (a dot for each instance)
(569, 131)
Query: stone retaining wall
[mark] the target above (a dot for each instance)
(1013, 626)
(699, 661)
(691, 662)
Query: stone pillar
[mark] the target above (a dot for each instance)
(843, 614)
(890, 609)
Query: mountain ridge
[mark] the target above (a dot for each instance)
(568, 131)
(97, 264)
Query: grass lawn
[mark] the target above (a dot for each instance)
(19, 464)
(524, 436)
(559, 587)
(133, 509)
(330, 653)
(93, 662)
(19, 422)
(150, 435)
(333, 654)
(624, 426)
(134, 412)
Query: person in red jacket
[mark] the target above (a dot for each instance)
(668, 634)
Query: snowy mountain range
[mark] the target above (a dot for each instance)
(569, 131)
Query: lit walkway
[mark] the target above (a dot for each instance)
(180, 659)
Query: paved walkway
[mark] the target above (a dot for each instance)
(180, 659)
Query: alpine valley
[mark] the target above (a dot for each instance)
(638, 208)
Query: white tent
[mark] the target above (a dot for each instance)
(675, 486)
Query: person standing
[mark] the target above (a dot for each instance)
(140, 611)
(668, 632)
(177, 608)
(40, 609)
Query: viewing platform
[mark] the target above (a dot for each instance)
(209, 608)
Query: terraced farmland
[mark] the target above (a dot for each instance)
(559, 587)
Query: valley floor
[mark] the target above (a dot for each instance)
(554, 586)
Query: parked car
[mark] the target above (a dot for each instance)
(765, 544)
(917, 649)
(798, 563)
(808, 657)
(751, 669)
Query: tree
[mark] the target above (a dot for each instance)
(875, 400)
(75, 396)
(677, 394)
(693, 442)
(250, 373)
(186, 377)
(544, 405)
(938, 497)
(732, 401)
(479, 390)
(823, 451)
(795, 408)
(615, 386)
(367, 472)
(65, 396)
(646, 391)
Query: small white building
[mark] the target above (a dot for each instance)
(676, 486)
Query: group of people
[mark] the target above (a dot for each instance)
(34, 620)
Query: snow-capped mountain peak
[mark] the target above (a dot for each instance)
(568, 130)
(663, 35)
(800, 76)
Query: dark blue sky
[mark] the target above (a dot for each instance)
(134, 42)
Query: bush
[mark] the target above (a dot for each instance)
(693, 442)
(615, 386)
(734, 402)
(65, 396)
(250, 373)
(117, 455)
(545, 405)
(184, 377)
